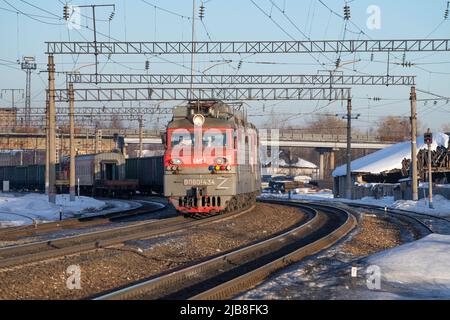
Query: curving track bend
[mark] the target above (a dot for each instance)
(225, 276)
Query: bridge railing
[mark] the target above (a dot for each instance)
(298, 135)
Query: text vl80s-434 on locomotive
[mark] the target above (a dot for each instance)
(212, 159)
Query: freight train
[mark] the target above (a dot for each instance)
(212, 159)
(101, 174)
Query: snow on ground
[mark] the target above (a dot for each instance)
(441, 206)
(417, 270)
(421, 267)
(17, 210)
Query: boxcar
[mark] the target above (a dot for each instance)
(149, 172)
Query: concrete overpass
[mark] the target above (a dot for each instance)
(281, 138)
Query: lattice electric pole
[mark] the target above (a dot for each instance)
(28, 65)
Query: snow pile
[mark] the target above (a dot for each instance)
(422, 266)
(441, 206)
(390, 158)
(20, 210)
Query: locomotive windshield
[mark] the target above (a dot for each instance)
(209, 139)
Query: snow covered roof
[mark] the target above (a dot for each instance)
(390, 158)
(301, 163)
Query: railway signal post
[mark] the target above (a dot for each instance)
(428, 138)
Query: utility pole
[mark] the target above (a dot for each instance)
(72, 143)
(47, 154)
(141, 133)
(429, 141)
(413, 170)
(28, 65)
(348, 178)
(193, 49)
(66, 16)
(51, 135)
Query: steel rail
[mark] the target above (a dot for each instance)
(11, 234)
(185, 279)
(418, 217)
(231, 288)
(44, 250)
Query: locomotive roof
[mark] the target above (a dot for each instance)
(216, 113)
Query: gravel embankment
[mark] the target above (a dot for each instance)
(375, 234)
(106, 269)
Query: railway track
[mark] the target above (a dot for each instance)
(431, 223)
(41, 251)
(224, 276)
(14, 233)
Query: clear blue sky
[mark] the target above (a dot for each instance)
(241, 20)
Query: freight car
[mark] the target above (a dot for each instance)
(98, 174)
(211, 160)
(149, 172)
(27, 178)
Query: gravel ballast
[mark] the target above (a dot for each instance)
(109, 268)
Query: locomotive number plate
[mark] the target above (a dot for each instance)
(199, 182)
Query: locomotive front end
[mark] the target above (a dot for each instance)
(202, 174)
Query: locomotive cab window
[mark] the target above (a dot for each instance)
(182, 139)
(214, 139)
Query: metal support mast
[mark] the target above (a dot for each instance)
(141, 136)
(72, 143)
(413, 169)
(51, 131)
(348, 180)
(193, 51)
(28, 65)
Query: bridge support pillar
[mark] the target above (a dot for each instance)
(321, 165)
(332, 160)
(322, 152)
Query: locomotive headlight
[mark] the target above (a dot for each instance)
(176, 161)
(220, 161)
(198, 120)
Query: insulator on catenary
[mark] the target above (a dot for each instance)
(347, 14)
(66, 15)
(338, 62)
(202, 12)
(147, 65)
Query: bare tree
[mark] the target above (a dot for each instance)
(116, 123)
(326, 124)
(395, 129)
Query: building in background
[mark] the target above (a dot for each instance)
(8, 119)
